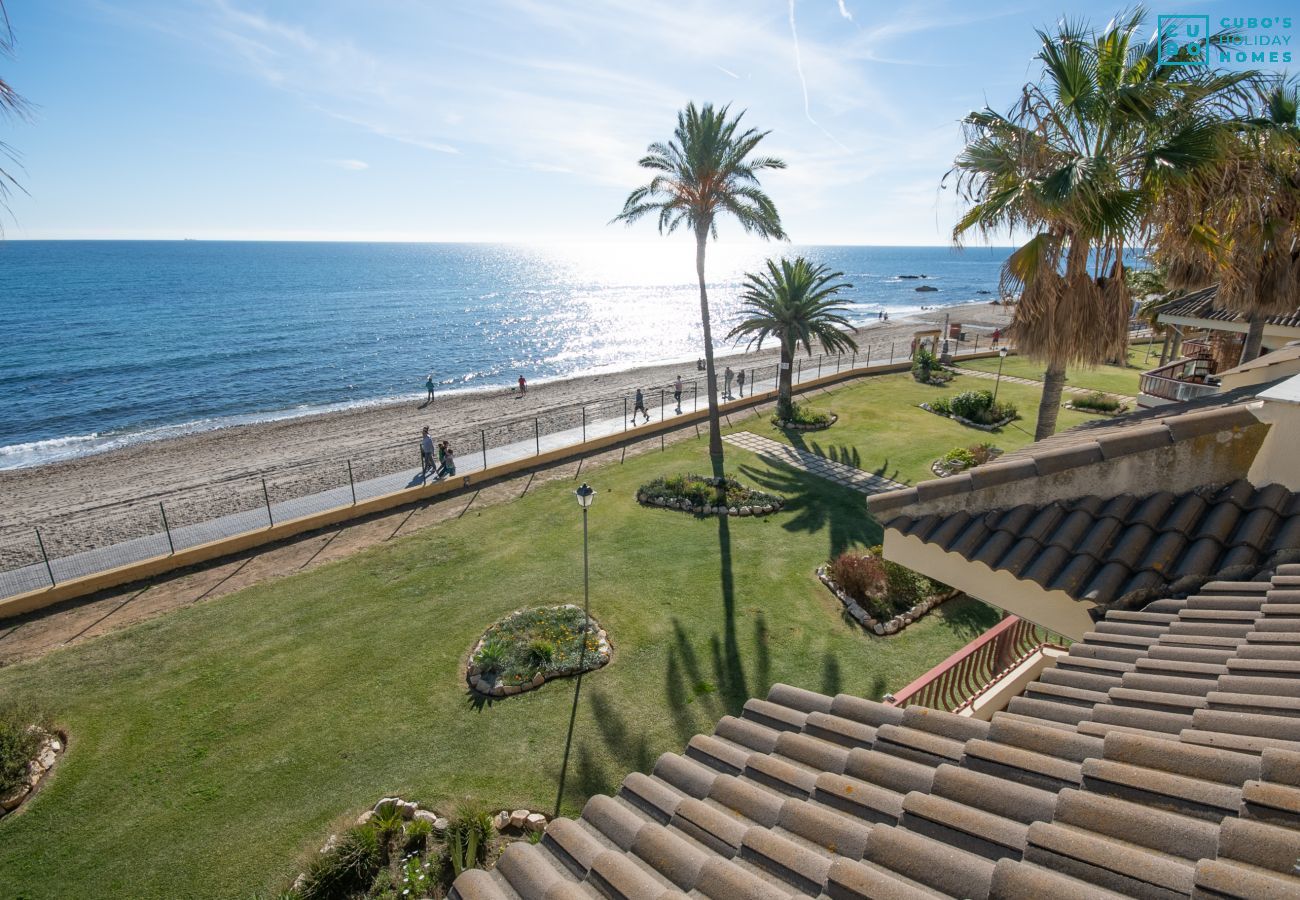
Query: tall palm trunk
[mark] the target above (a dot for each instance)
(785, 381)
(710, 377)
(1254, 338)
(1049, 405)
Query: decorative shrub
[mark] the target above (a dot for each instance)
(975, 406)
(546, 640)
(416, 833)
(22, 728)
(347, 869)
(700, 490)
(959, 457)
(468, 837)
(881, 587)
(982, 453)
(1096, 401)
(927, 369)
(803, 415)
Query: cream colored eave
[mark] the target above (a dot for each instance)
(1051, 609)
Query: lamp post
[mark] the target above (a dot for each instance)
(585, 494)
(1002, 354)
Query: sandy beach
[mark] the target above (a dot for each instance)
(100, 499)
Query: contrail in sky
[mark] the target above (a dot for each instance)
(803, 82)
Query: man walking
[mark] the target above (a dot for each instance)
(677, 394)
(639, 407)
(740, 382)
(726, 383)
(426, 452)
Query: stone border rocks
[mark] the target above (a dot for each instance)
(967, 422)
(487, 685)
(889, 626)
(771, 503)
(787, 425)
(38, 769)
(1123, 408)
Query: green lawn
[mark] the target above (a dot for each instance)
(214, 748)
(1114, 379)
(902, 444)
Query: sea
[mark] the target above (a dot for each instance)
(109, 343)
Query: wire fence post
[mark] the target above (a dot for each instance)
(891, 352)
(49, 570)
(625, 414)
(266, 495)
(482, 436)
(584, 424)
(537, 438)
(352, 483)
(867, 364)
(977, 344)
(167, 528)
(839, 358)
(853, 363)
(661, 404)
(695, 395)
(820, 357)
(798, 372)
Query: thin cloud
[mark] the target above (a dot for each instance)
(844, 11)
(725, 71)
(803, 82)
(351, 165)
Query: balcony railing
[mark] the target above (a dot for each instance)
(961, 678)
(1183, 379)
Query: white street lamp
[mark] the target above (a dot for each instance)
(1002, 354)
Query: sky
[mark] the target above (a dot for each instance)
(493, 120)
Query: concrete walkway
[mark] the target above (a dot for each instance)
(1015, 379)
(807, 461)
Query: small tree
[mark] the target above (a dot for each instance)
(794, 302)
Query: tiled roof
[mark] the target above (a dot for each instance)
(1126, 549)
(1159, 758)
(1200, 305)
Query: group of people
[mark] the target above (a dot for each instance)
(441, 460)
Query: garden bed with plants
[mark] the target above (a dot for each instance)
(398, 851)
(29, 748)
(927, 369)
(959, 459)
(1098, 404)
(805, 418)
(706, 496)
(879, 594)
(974, 409)
(531, 646)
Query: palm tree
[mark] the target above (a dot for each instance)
(1239, 223)
(11, 103)
(706, 170)
(1077, 162)
(794, 302)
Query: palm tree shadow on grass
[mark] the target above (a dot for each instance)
(843, 453)
(813, 504)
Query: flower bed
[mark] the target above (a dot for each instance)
(707, 496)
(29, 748)
(974, 409)
(531, 646)
(927, 369)
(879, 594)
(959, 459)
(398, 849)
(1097, 404)
(804, 418)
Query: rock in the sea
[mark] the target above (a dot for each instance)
(926, 288)
(535, 822)
(518, 817)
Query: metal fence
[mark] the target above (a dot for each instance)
(99, 538)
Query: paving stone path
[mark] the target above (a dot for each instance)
(1015, 379)
(838, 472)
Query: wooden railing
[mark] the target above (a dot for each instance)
(957, 681)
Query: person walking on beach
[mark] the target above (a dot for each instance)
(426, 451)
(428, 386)
(726, 383)
(740, 382)
(997, 336)
(677, 394)
(523, 385)
(639, 407)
